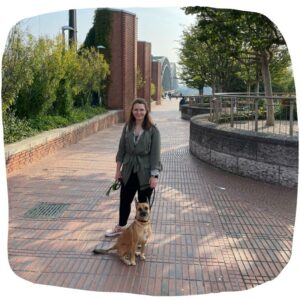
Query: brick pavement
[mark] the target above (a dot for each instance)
(212, 231)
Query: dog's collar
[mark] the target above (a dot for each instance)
(140, 221)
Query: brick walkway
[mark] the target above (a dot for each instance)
(212, 231)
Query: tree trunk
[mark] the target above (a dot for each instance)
(257, 88)
(268, 88)
(213, 88)
(248, 89)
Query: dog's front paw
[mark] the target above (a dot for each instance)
(125, 261)
(133, 263)
(137, 253)
(143, 257)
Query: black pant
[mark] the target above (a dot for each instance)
(127, 194)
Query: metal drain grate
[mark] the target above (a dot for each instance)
(46, 210)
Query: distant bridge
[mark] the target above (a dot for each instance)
(168, 73)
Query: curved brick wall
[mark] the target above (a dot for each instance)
(188, 111)
(35, 148)
(262, 156)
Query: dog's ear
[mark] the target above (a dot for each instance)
(136, 201)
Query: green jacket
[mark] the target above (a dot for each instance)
(140, 158)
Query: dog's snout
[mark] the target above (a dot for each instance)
(143, 214)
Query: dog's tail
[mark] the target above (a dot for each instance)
(103, 251)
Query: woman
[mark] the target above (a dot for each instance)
(138, 161)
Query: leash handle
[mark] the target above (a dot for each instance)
(153, 198)
(114, 186)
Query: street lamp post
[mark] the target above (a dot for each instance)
(63, 28)
(99, 47)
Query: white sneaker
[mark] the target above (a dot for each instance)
(114, 232)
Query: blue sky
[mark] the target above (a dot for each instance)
(161, 26)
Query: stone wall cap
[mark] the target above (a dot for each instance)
(47, 136)
(245, 134)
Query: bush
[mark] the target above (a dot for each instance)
(48, 122)
(282, 112)
(45, 61)
(64, 102)
(16, 129)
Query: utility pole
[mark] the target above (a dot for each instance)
(73, 24)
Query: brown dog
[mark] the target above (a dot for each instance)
(136, 234)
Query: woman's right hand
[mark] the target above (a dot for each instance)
(118, 175)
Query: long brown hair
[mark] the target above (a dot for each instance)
(147, 123)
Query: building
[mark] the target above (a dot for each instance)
(144, 64)
(115, 31)
(156, 80)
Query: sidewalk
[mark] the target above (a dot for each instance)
(212, 231)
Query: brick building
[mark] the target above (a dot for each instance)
(123, 41)
(145, 65)
(156, 79)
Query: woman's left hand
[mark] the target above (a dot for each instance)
(153, 182)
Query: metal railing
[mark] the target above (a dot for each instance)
(276, 114)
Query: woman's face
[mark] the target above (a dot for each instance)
(139, 111)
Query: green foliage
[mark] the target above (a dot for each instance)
(77, 115)
(44, 123)
(140, 82)
(46, 65)
(41, 80)
(83, 113)
(90, 38)
(102, 25)
(205, 63)
(282, 75)
(249, 40)
(16, 129)
(99, 35)
(15, 72)
(282, 111)
(91, 74)
(152, 89)
(63, 104)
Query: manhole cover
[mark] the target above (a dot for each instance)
(46, 210)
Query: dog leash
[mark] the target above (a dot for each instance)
(117, 184)
(153, 198)
(114, 186)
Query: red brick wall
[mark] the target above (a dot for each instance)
(115, 89)
(16, 160)
(144, 64)
(122, 90)
(156, 79)
(130, 61)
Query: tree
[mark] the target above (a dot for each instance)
(243, 33)
(100, 35)
(40, 77)
(15, 73)
(193, 61)
(45, 62)
(91, 73)
(140, 82)
(152, 89)
(205, 63)
(282, 75)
